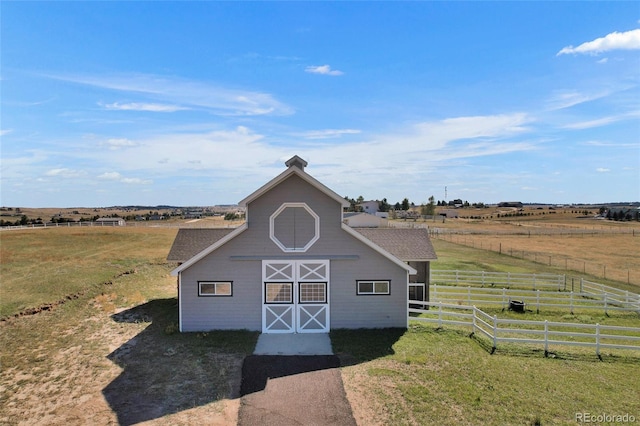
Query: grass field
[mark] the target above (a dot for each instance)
(110, 354)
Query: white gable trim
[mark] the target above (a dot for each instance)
(210, 249)
(282, 176)
(379, 249)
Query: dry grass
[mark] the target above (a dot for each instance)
(104, 357)
(598, 249)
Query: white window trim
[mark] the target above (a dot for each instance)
(279, 302)
(273, 237)
(215, 283)
(373, 293)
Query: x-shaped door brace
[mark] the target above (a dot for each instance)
(279, 318)
(312, 317)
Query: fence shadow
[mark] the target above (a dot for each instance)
(164, 372)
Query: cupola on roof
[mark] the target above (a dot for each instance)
(297, 162)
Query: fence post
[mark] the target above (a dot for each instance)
(534, 281)
(495, 333)
(439, 314)
(605, 304)
(598, 340)
(581, 283)
(469, 295)
(435, 292)
(474, 320)
(456, 277)
(546, 338)
(571, 302)
(509, 279)
(504, 299)
(482, 278)
(537, 301)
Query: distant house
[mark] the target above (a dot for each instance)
(364, 220)
(111, 221)
(296, 267)
(371, 207)
(516, 204)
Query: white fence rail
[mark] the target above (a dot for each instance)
(536, 299)
(544, 333)
(498, 279)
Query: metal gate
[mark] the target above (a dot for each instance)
(295, 296)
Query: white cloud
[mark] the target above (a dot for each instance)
(322, 69)
(4, 132)
(117, 143)
(136, 181)
(110, 176)
(118, 177)
(602, 121)
(629, 40)
(567, 99)
(65, 173)
(602, 170)
(141, 106)
(329, 133)
(187, 93)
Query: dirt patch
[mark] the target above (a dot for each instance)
(122, 370)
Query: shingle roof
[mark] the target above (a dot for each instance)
(191, 241)
(405, 244)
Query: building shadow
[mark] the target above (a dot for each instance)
(165, 372)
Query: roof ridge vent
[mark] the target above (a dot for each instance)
(297, 162)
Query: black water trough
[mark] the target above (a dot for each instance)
(516, 305)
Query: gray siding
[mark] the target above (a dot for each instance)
(244, 308)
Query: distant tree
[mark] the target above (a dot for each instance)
(430, 208)
(384, 205)
(397, 206)
(405, 204)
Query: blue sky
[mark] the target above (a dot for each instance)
(200, 103)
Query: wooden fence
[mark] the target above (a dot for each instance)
(540, 333)
(498, 279)
(536, 299)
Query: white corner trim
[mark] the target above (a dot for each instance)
(275, 239)
(180, 303)
(210, 249)
(379, 249)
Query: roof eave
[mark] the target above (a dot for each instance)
(282, 176)
(379, 249)
(209, 249)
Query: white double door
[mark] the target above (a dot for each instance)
(295, 296)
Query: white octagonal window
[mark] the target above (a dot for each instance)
(294, 227)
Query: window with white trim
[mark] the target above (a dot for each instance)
(278, 293)
(376, 287)
(313, 292)
(215, 288)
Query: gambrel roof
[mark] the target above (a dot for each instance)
(405, 244)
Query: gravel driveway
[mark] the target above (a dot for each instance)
(293, 390)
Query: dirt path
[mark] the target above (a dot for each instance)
(293, 390)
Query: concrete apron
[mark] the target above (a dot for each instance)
(294, 344)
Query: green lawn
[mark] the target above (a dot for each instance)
(442, 376)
